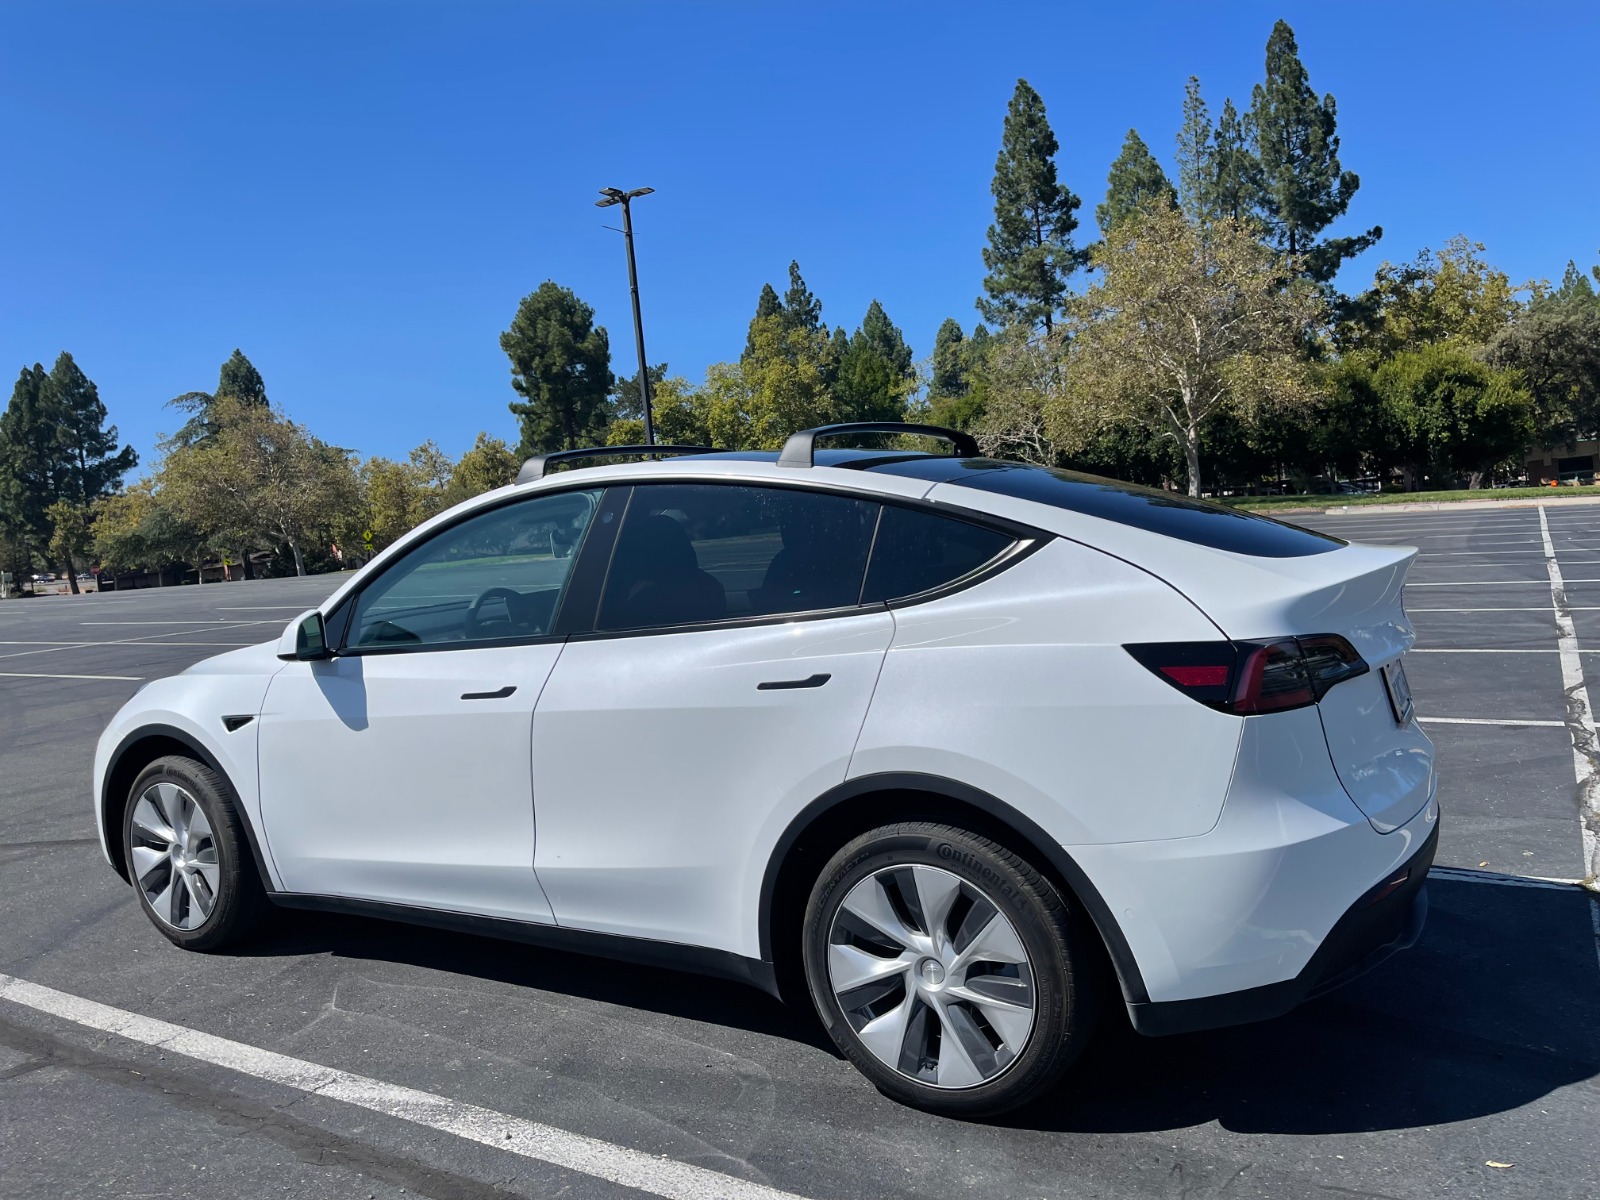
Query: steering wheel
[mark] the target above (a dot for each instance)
(503, 593)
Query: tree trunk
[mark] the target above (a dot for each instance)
(1191, 456)
(71, 574)
(244, 561)
(299, 562)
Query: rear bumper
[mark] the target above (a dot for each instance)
(1389, 917)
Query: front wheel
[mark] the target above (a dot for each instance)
(188, 856)
(947, 969)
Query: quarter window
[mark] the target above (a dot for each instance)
(917, 551)
(497, 576)
(690, 553)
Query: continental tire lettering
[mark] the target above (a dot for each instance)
(976, 865)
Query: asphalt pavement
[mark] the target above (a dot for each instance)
(478, 1066)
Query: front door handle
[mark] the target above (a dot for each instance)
(500, 695)
(784, 685)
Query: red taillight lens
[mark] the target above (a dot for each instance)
(1272, 679)
(1254, 677)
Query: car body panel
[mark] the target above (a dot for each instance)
(1049, 714)
(380, 780)
(664, 775)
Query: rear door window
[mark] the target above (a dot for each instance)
(917, 551)
(692, 553)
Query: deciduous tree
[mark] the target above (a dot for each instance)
(1458, 414)
(1186, 322)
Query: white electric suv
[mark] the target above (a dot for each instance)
(957, 746)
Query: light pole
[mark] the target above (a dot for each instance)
(618, 196)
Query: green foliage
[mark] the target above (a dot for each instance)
(1187, 323)
(1303, 188)
(1237, 179)
(781, 385)
(1453, 414)
(767, 305)
(1555, 345)
(239, 380)
(627, 401)
(54, 447)
(801, 310)
(561, 367)
(488, 465)
(957, 386)
(1197, 157)
(681, 415)
(1452, 296)
(1136, 179)
(874, 376)
(1030, 255)
(135, 529)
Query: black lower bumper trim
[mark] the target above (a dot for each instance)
(1388, 918)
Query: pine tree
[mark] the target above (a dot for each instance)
(95, 466)
(1136, 179)
(767, 305)
(561, 367)
(875, 372)
(949, 376)
(1197, 157)
(1237, 179)
(240, 380)
(1303, 188)
(801, 309)
(626, 405)
(1030, 255)
(33, 458)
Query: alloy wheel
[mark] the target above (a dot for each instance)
(931, 976)
(174, 855)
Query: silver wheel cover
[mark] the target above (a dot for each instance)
(174, 856)
(931, 976)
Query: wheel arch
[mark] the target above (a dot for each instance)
(857, 805)
(136, 752)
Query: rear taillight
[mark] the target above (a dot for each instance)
(1254, 677)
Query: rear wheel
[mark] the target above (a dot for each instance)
(946, 968)
(188, 857)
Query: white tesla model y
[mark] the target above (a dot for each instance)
(957, 747)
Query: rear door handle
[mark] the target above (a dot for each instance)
(784, 685)
(500, 695)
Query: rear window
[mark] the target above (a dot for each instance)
(917, 551)
(1167, 513)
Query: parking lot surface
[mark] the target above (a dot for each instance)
(354, 1057)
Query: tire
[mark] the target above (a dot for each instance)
(947, 969)
(188, 856)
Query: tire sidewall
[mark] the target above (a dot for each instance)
(234, 872)
(1023, 904)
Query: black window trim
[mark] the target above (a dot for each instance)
(344, 611)
(1025, 540)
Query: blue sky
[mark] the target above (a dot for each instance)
(357, 194)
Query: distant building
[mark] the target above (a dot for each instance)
(1564, 464)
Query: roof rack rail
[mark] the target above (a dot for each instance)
(534, 468)
(800, 449)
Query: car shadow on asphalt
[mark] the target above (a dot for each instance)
(1495, 1007)
(293, 932)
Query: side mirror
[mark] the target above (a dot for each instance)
(305, 639)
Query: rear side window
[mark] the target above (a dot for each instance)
(1167, 513)
(691, 553)
(917, 551)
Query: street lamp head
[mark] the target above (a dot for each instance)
(612, 196)
(640, 192)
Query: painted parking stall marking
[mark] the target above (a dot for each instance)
(515, 1135)
(1580, 717)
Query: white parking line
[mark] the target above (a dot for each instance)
(1470, 875)
(1489, 721)
(515, 1135)
(198, 622)
(1463, 650)
(1580, 717)
(35, 675)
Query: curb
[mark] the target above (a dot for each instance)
(1344, 510)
